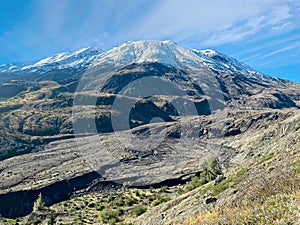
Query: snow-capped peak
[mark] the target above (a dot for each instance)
(221, 61)
(207, 52)
(165, 52)
(168, 53)
(77, 60)
(66, 59)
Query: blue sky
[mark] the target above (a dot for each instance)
(264, 34)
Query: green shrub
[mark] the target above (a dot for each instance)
(51, 220)
(137, 193)
(213, 166)
(211, 170)
(99, 206)
(118, 201)
(79, 219)
(130, 201)
(109, 216)
(159, 200)
(226, 183)
(196, 182)
(33, 221)
(230, 182)
(163, 188)
(138, 210)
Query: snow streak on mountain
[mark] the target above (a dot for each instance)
(165, 52)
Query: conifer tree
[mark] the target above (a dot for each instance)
(38, 205)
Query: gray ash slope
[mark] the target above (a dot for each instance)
(37, 102)
(38, 98)
(37, 105)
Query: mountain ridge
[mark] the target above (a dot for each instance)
(166, 52)
(71, 60)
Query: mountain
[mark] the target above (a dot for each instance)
(235, 81)
(145, 113)
(66, 62)
(169, 53)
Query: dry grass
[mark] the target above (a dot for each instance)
(265, 200)
(279, 209)
(259, 188)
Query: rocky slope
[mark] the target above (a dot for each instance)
(144, 113)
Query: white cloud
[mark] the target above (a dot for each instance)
(214, 22)
(230, 35)
(274, 20)
(279, 51)
(270, 44)
(276, 56)
(249, 58)
(283, 27)
(279, 14)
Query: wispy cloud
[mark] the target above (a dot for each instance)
(262, 43)
(247, 59)
(279, 51)
(217, 22)
(232, 34)
(283, 27)
(274, 20)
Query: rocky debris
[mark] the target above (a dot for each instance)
(146, 122)
(219, 179)
(210, 200)
(172, 162)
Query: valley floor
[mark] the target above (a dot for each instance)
(266, 191)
